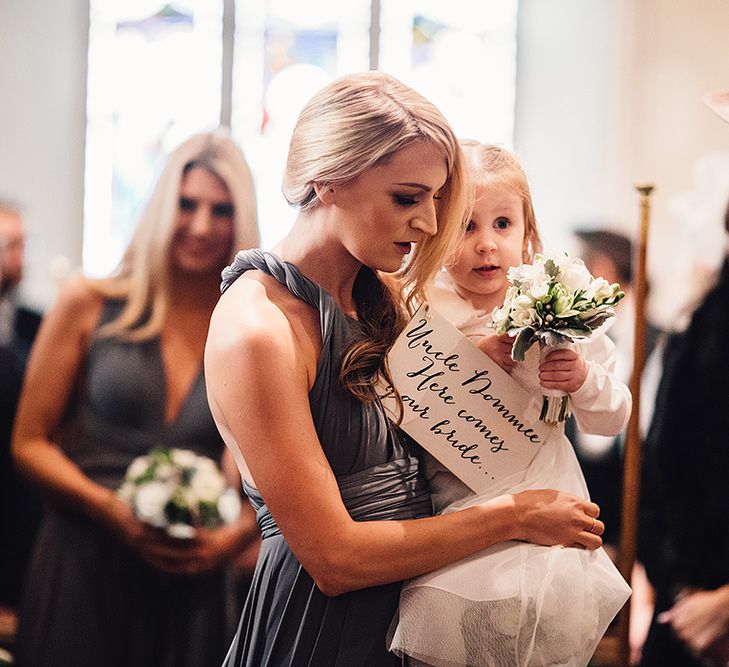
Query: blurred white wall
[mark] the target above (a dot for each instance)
(607, 93)
(43, 47)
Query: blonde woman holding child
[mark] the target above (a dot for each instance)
(296, 350)
(515, 604)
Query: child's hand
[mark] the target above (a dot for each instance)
(499, 349)
(562, 369)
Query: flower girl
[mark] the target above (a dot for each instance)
(515, 604)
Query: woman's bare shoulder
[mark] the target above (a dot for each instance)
(258, 310)
(257, 337)
(79, 300)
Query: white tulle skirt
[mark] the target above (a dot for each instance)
(515, 604)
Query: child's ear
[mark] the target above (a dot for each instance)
(325, 192)
(525, 250)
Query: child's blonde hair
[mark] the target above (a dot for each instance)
(490, 165)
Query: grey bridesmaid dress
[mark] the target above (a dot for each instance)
(88, 601)
(287, 620)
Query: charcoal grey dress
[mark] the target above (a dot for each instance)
(88, 601)
(287, 620)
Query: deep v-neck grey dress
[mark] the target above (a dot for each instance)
(286, 619)
(88, 600)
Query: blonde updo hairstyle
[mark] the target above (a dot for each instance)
(491, 165)
(143, 277)
(354, 124)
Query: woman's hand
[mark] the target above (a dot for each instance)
(562, 369)
(642, 603)
(498, 349)
(701, 620)
(206, 551)
(551, 517)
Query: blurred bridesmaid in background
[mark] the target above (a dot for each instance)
(115, 371)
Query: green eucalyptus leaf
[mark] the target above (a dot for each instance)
(552, 338)
(550, 268)
(523, 341)
(572, 332)
(598, 320)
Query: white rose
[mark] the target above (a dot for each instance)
(525, 318)
(207, 465)
(184, 457)
(500, 316)
(207, 484)
(515, 274)
(538, 290)
(534, 273)
(229, 506)
(150, 503)
(137, 467)
(574, 275)
(599, 290)
(166, 472)
(559, 257)
(523, 302)
(562, 304)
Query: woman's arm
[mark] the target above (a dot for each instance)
(259, 370)
(55, 366)
(58, 356)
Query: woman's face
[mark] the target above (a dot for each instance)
(380, 214)
(203, 235)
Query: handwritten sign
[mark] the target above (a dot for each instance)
(460, 405)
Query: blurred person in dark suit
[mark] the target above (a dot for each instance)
(20, 504)
(18, 324)
(684, 511)
(683, 537)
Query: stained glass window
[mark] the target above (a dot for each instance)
(156, 76)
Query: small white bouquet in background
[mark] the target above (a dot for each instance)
(178, 491)
(553, 301)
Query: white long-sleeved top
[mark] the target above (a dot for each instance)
(601, 405)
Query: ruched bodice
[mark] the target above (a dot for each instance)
(355, 436)
(287, 620)
(121, 411)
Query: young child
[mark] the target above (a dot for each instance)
(515, 604)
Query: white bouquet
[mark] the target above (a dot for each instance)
(553, 301)
(178, 491)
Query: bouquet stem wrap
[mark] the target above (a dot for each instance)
(556, 406)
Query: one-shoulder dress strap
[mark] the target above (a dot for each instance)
(331, 317)
(287, 274)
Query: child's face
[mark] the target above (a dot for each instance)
(494, 241)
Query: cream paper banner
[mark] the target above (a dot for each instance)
(459, 404)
